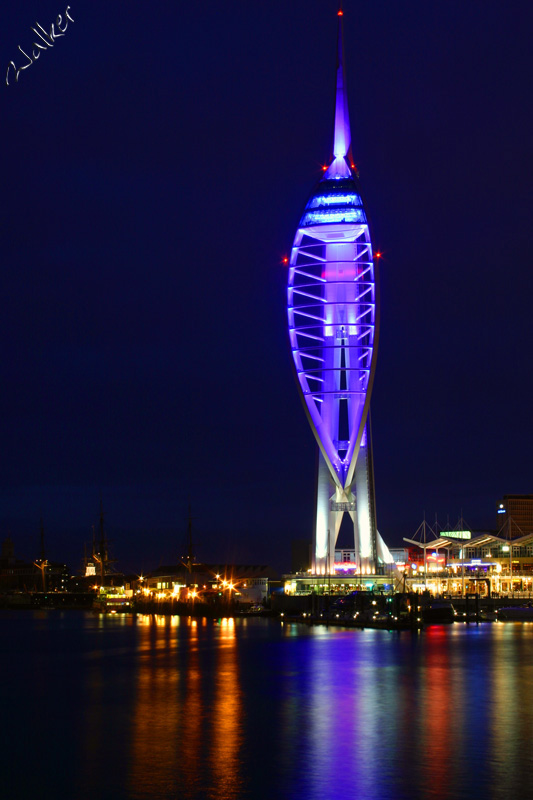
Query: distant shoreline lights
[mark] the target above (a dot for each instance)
(48, 41)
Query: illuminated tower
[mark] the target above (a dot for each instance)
(333, 329)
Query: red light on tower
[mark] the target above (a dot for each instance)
(324, 168)
(285, 260)
(340, 12)
(378, 255)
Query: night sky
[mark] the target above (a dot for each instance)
(155, 164)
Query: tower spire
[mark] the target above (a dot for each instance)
(342, 138)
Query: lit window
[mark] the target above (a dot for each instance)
(333, 215)
(335, 200)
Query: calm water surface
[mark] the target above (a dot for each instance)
(143, 707)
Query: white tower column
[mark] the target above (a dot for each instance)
(322, 536)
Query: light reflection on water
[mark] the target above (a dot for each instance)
(169, 707)
(227, 711)
(186, 728)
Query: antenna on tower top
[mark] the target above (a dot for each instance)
(342, 136)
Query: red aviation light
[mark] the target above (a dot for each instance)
(324, 168)
(284, 260)
(340, 12)
(378, 255)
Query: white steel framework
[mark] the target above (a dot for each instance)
(333, 330)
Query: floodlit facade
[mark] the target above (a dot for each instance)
(459, 563)
(333, 330)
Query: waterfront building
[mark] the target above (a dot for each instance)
(338, 583)
(242, 583)
(333, 320)
(481, 563)
(30, 576)
(514, 516)
(401, 555)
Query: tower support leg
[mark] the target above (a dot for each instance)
(366, 517)
(332, 502)
(321, 543)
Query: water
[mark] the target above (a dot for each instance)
(139, 707)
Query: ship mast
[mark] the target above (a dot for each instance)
(42, 563)
(102, 556)
(103, 544)
(190, 554)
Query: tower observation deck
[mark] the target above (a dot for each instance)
(333, 329)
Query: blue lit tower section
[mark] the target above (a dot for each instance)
(333, 329)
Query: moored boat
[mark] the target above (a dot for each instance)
(516, 613)
(439, 611)
(111, 600)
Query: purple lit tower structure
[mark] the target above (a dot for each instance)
(333, 329)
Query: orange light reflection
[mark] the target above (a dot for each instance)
(227, 716)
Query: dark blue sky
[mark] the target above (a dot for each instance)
(154, 166)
